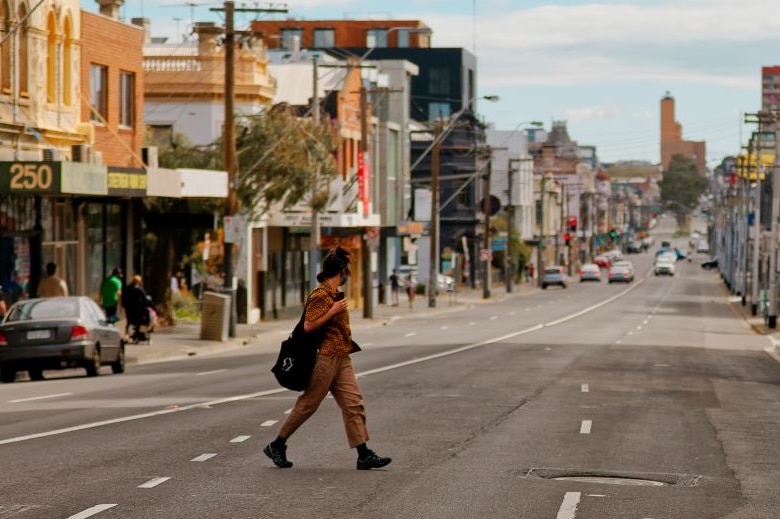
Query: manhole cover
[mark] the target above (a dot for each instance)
(631, 482)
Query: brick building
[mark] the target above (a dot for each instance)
(672, 142)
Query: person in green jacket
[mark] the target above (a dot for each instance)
(111, 294)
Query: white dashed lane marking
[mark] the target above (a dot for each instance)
(44, 397)
(585, 388)
(89, 512)
(268, 423)
(153, 482)
(211, 372)
(240, 439)
(204, 457)
(586, 426)
(410, 334)
(568, 508)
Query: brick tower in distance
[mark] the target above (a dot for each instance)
(672, 142)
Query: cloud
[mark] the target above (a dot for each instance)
(688, 41)
(593, 112)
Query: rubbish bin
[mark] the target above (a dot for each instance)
(215, 317)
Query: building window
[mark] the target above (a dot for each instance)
(51, 59)
(439, 81)
(5, 48)
(404, 38)
(438, 111)
(126, 98)
(67, 62)
(376, 38)
(24, 35)
(292, 39)
(98, 92)
(324, 38)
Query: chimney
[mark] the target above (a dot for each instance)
(146, 25)
(110, 8)
(207, 37)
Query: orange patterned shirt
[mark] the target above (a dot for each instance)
(337, 339)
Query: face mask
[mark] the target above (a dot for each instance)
(343, 279)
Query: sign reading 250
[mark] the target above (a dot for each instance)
(29, 177)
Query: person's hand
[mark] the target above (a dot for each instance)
(338, 306)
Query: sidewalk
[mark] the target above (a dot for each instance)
(183, 340)
(758, 324)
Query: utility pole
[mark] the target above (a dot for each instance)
(487, 252)
(433, 267)
(510, 274)
(540, 245)
(314, 246)
(756, 238)
(230, 153)
(772, 296)
(368, 295)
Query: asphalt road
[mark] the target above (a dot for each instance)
(650, 400)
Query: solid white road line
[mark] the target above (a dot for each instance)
(89, 512)
(239, 439)
(585, 388)
(153, 482)
(204, 457)
(268, 423)
(38, 398)
(569, 506)
(410, 334)
(597, 305)
(585, 427)
(211, 372)
(444, 328)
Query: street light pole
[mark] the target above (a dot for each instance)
(433, 267)
(486, 245)
(510, 273)
(541, 244)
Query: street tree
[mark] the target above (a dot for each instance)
(682, 186)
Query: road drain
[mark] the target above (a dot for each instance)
(631, 482)
(607, 477)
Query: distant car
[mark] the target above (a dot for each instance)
(590, 272)
(620, 273)
(665, 244)
(702, 246)
(634, 247)
(614, 255)
(554, 276)
(710, 264)
(444, 283)
(602, 261)
(626, 264)
(664, 266)
(58, 333)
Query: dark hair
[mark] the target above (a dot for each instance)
(117, 272)
(337, 260)
(51, 268)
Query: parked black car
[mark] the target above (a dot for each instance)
(58, 333)
(710, 264)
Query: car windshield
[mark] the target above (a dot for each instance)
(44, 309)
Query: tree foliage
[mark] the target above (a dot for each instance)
(285, 159)
(682, 185)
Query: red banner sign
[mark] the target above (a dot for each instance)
(363, 182)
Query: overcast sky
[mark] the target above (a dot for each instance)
(601, 66)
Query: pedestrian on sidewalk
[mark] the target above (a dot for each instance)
(333, 371)
(395, 286)
(410, 289)
(111, 294)
(52, 285)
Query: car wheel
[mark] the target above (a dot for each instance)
(119, 365)
(7, 375)
(93, 367)
(544, 287)
(35, 374)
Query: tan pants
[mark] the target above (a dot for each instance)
(334, 374)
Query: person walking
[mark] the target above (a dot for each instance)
(52, 285)
(395, 286)
(111, 294)
(137, 308)
(333, 371)
(410, 289)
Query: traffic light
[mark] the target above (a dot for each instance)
(612, 233)
(566, 239)
(573, 223)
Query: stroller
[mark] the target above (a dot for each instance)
(141, 331)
